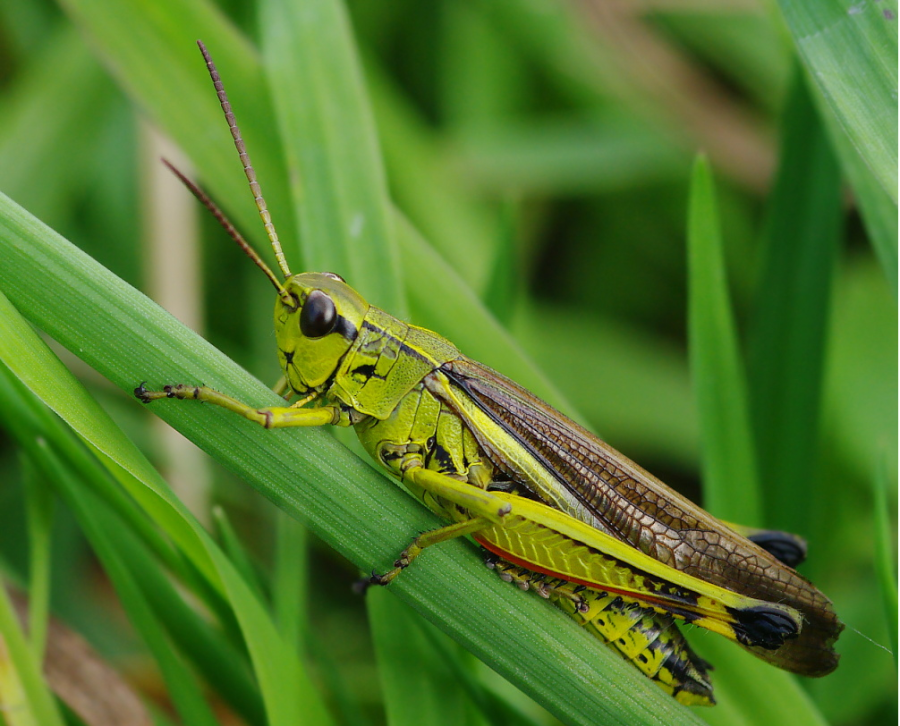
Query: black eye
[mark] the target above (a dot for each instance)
(318, 316)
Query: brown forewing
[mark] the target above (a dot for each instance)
(639, 509)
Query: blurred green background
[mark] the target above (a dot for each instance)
(544, 150)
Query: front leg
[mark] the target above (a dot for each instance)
(272, 417)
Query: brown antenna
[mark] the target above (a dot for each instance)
(245, 160)
(232, 231)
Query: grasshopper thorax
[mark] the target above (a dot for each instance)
(315, 326)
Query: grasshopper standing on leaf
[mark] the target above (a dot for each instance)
(557, 509)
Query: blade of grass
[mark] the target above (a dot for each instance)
(286, 688)
(426, 185)
(182, 687)
(20, 675)
(878, 210)
(786, 350)
(503, 287)
(331, 147)
(96, 523)
(290, 580)
(214, 658)
(729, 466)
(208, 649)
(493, 707)
(850, 51)
(786, 701)
(237, 553)
(26, 418)
(417, 684)
(39, 507)
(730, 484)
(341, 690)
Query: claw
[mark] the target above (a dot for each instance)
(363, 584)
(141, 392)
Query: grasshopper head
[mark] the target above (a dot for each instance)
(315, 325)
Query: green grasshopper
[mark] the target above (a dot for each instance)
(558, 510)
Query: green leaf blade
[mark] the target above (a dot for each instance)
(287, 690)
(331, 147)
(850, 51)
(729, 463)
(787, 341)
(22, 689)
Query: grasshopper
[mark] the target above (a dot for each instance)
(557, 509)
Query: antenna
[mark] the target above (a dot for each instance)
(232, 232)
(245, 160)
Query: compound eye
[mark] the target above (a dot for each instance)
(318, 316)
